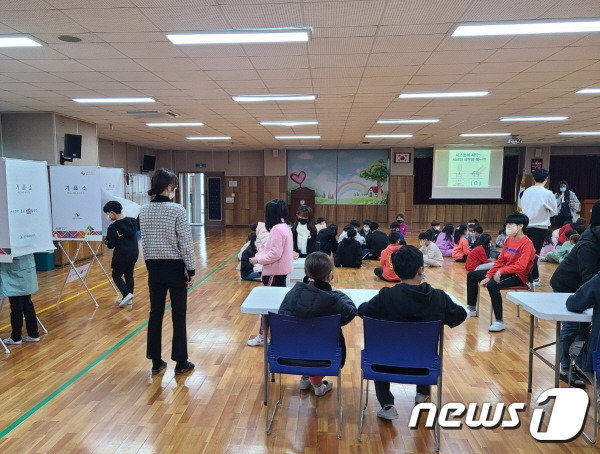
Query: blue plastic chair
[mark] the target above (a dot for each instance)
(308, 346)
(416, 347)
(594, 378)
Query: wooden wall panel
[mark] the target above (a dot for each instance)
(251, 195)
(460, 214)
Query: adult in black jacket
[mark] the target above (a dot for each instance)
(349, 252)
(577, 268)
(409, 301)
(315, 297)
(326, 239)
(586, 296)
(121, 236)
(377, 241)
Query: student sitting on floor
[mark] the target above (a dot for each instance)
(479, 257)
(320, 224)
(461, 244)
(511, 269)
(326, 240)
(411, 301)
(316, 297)
(377, 241)
(559, 256)
(434, 230)
(386, 272)
(445, 240)
(432, 256)
(349, 252)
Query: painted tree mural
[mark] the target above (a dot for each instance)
(377, 172)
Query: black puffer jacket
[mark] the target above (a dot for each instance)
(580, 265)
(349, 253)
(309, 301)
(121, 235)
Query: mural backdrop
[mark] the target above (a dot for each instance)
(343, 177)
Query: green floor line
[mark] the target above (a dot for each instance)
(90, 366)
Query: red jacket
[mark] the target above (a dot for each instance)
(516, 257)
(461, 249)
(386, 262)
(475, 258)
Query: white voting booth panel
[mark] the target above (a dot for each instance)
(77, 211)
(25, 225)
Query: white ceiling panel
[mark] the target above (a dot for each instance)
(111, 20)
(87, 50)
(173, 19)
(268, 15)
(343, 14)
(41, 21)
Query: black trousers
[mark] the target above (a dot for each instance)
(506, 280)
(119, 271)
(385, 397)
(172, 280)
(22, 306)
(537, 237)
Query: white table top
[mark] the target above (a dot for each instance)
(299, 263)
(262, 300)
(548, 306)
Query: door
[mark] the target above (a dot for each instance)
(214, 184)
(202, 197)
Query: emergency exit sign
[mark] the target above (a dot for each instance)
(201, 164)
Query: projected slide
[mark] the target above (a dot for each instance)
(467, 173)
(469, 169)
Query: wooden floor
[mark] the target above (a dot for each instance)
(87, 388)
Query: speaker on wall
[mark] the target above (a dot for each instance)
(148, 163)
(73, 146)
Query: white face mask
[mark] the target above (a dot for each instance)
(511, 230)
(366, 229)
(437, 227)
(171, 195)
(563, 189)
(108, 217)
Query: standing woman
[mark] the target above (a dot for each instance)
(567, 205)
(304, 232)
(18, 280)
(169, 253)
(278, 257)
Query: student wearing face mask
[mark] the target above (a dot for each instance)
(304, 232)
(567, 204)
(434, 230)
(169, 253)
(366, 230)
(511, 269)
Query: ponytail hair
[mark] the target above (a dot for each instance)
(160, 180)
(460, 231)
(317, 267)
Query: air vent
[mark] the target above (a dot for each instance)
(170, 113)
(142, 113)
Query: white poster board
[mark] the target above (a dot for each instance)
(24, 208)
(113, 188)
(76, 203)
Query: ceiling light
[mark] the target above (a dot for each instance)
(579, 133)
(209, 138)
(388, 136)
(275, 35)
(114, 100)
(289, 123)
(267, 98)
(296, 137)
(166, 125)
(588, 91)
(533, 118)
(486, 134)
(445, 94)
(407, 121)
(18, 41)
(527, 28)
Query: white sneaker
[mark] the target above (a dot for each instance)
(305, 383)
(127, 300)
(537, 283)
(498, 325)
(473, 311)
(421, 398)
(323, 388)
(9, 341)
(387, 413)
(119, 301)
(30, 339)
(257, 341)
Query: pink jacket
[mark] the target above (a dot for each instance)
(278, 257)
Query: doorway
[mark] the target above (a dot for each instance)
(202, 197)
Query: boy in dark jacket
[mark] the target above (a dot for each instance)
(377, 241)
(326, 239)
(409, 301)
(349, 252)
(121, 236)
(247, 272)
(316, 297)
